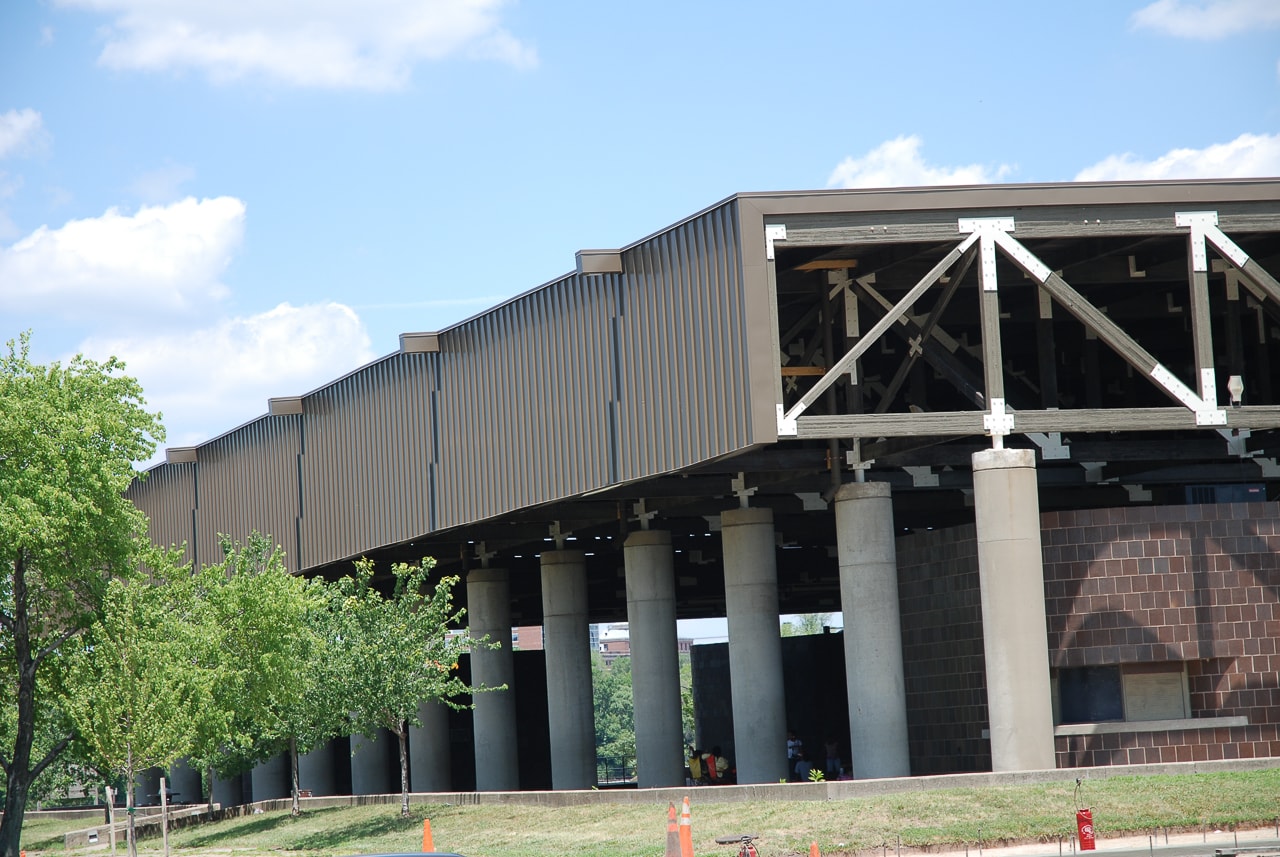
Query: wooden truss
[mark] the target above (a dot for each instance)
(1193, 406)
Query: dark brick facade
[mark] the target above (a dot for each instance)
(1198, 585)
(943, 662)
(1192, 584)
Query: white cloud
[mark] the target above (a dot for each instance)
(163, 260)
(897, 163)
(21, 131)
(322, 43)
(210, 380)
(1207, 19)
(1247, 156)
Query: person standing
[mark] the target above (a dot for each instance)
(794, 746)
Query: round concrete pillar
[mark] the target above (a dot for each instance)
(755, 644)
(146, 789)
(566, 639)
(872, 631)
(184, 782)
(229, 791)
(494, 716)
(1014, 631)
(655, 660)
(430, 758)
(375, 764)
(271, 779)
(316, 771)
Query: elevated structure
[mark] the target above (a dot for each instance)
(998, 359)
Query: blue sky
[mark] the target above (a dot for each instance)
(248, 199)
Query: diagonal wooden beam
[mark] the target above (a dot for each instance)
(926, 334)
(877, 330)
(1107, 330)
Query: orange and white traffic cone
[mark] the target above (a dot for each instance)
(686, 830)
(673, 837)
(428, 844)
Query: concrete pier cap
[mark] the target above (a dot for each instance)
(862, 490)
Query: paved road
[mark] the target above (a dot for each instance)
(1246, 843)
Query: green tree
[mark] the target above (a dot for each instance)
(687, 721)
(69, 435)
(136, 686)
(397, 652)
(808, 623)
(273, 686)
(615, 712)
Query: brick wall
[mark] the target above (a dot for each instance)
(1198, 585)
(1193, 584)
(943, 661)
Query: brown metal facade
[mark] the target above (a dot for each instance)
(582, 384)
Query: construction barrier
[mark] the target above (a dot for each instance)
(686, 830)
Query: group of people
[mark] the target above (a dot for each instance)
(711, 768)
(708, 767)
(800, 768)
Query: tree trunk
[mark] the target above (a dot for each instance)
(402, 732)
(293, 767)
(211, 781)
(17, 786)
(20, 773)
(130, 805)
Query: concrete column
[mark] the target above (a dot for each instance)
(228, 791)
(489, 609)
(375, 764)
(566, 638)
(185, 783)
(755, 644)
(146, 789)
(655, 660)
(316, 771)
(872, 631)
(271, 778)
(430, 758)
(1014, 631)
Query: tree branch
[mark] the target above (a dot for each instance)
(54, 752)
(53, 646)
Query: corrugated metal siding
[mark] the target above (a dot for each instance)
(168, 498)
(683, 391)
(248, 480)
(367, 445)
(584, 383)
(524, 404)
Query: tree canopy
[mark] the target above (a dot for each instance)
(397, 651)
(69, 435)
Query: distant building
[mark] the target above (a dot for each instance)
(615, 642)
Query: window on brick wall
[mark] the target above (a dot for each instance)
(1128, 692)
(1090, 695)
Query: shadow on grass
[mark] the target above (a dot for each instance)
(352, 835)
(53, 842)
(309, 839)
(266, 824)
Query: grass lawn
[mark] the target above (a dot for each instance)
(940, 817)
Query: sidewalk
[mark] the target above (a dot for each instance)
(1250, 843)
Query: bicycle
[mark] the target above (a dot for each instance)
(747, 849)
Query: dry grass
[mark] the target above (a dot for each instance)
(922, 819)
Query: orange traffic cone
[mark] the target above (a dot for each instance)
(673, 837)
(686, 830)
(427, 843)
(813, 850)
